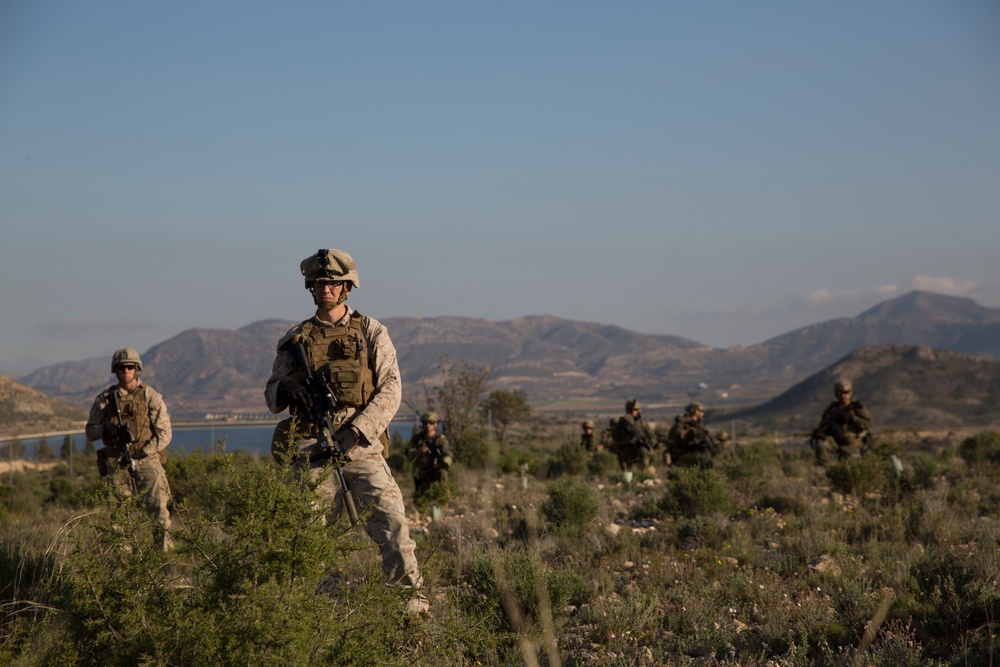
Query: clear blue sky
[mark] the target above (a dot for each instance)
(724, 171)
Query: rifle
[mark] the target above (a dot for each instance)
(125, 435)
(437, 455)
(319, 415)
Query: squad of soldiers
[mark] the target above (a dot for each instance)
(337, 375)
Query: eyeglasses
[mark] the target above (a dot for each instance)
(125, 367)
(319, 287)
(426, 423)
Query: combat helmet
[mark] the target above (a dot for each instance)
(842, 387)
(329, 265)
(632, 404)
(429, 418)
(694, 407)
(588, 423)
(126, 355)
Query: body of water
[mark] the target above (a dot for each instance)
(238, 437)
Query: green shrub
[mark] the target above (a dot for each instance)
(694, 491)
(570, 459)
(981, 448)
(861, 475)
(62, 493)
(956, 593)
(250, 575)
(571, 506)
(477, 450)
(519, 578)
(603, 464)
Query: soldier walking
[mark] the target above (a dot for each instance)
(132, 421)
(632, 440)
(431, 455)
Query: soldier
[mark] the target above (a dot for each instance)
(689, 442)
(633, 441)
(606, 440)
(355, 356)
(587, 437)
(132, 411)
(430, 454)
(843, 429)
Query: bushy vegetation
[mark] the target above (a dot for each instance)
(543, 556)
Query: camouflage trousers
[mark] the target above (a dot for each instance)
(827, 449)
(376, 495)
(151, 482)
(634, 456)
(423, 480)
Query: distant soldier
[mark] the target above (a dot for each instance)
(606, 441)
(844, 428)
(131, 417)
(587, 436)
(430, 454)
(689, 442)
(633, 441)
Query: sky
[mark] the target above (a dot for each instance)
(722, 171)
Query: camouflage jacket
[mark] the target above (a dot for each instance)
(631, 433)
(689, 435)
(844, 423)
(436, 456)
(371, 419)
(150, 423)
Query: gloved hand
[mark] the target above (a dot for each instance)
(139, 455)
(110, 434)
(294, 392)
(347, 439)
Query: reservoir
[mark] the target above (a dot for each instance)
(255, 438)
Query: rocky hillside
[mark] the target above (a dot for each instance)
(554, 361)
(25, 410)
(903, 387)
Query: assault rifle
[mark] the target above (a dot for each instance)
(323, 404)
(125, 440)
(437, 455)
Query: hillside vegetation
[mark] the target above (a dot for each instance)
(543, 556)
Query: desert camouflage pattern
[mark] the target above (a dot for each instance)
(377, 497)
(374, 417)
(146, 413)
(367, 474)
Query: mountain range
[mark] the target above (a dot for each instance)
(560, 363)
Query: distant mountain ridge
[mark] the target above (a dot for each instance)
(26, 410)
(223, 371)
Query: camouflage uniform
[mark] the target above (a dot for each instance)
(633, 441)
(607, 440)
(689, 442)
(843, 429)
(367, 474)
(587, 437)
(431, 456)
(144, 411)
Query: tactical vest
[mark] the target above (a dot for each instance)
(340, 354)
(135, 413)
